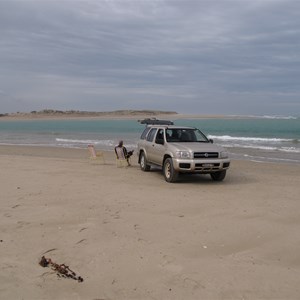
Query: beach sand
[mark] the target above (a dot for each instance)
(131, 235)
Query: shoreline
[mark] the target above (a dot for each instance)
(236, 153)
(82, 153)
(131, 235)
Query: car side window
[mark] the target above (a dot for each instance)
(159, 137)
(151, 135)
(173, 135)
(146, 130)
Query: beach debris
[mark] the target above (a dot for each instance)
(62, 270)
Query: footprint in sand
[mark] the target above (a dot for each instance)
(167, 260)
(50, 250)
(191, 283)
(168, 264)
(84, 228)
(188, 282)
(116, 215)
(22, 224)
(83, 240)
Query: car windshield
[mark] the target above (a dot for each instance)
(185, 135)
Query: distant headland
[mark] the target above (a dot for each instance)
(51, 113)
(116, 114)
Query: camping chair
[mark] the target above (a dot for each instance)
(96, 157)
(121, 160)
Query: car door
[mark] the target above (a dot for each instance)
(158, 147)
(149, 144)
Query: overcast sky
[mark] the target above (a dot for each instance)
(198, 56)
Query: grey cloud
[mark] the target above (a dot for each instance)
(211, 56)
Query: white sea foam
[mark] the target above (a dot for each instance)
(277, 117)
(290, 149)
(271, 159)
(75, 141)
(247, 139)
(280, 117)
(104, 144)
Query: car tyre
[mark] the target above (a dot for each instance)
(218, 176)
(143, 163)
(168, 169)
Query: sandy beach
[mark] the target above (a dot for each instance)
(131, 235)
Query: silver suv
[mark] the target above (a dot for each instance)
(180, 149)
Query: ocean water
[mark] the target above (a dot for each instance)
(273, 139)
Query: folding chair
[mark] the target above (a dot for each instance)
(121, 160)
(96, 156)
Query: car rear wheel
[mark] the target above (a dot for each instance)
(168, 169)
(143, 162)
(218, 176)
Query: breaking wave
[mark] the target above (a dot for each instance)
(251, 139)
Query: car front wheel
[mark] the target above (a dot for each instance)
(169, 173)
(143, 162)
(218, 176)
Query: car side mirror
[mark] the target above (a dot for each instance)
(160, 141)
(211, 141)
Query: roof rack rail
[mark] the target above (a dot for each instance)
(154, 121)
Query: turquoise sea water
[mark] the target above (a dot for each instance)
(261, 139)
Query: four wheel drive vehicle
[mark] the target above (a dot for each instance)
(180, 149)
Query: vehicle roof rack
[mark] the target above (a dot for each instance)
(154, 121)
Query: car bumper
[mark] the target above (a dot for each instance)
(200, 165)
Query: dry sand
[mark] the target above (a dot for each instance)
(131, 235)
